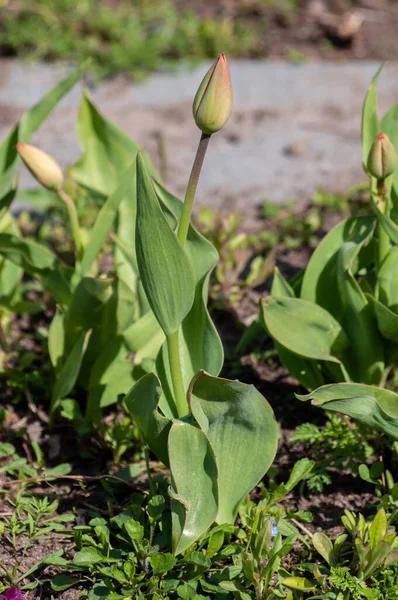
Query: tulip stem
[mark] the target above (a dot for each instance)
(173, 347)
(191, 188)
(383, 246)
(74, 222)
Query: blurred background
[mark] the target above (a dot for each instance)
(300, 72)
(136, 37)
(139, 36)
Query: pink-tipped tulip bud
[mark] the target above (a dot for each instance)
(382, 157)
(43, 168)
(212, 105)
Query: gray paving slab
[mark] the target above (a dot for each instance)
(294, 129)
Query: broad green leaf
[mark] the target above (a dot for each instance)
(281, 287)
(387, 320)
(109, 307)
(90, 556)
(58, 471)
(107, 154)
(63, 582)
(299, 583)
(365, 360)
(88, 302)
(301, 469)
(111, 375)
(387, 223)
(243, 433)
(134, 530)
(370, 122)
(145, 338)
(10, 273)
(29, 123)
(56, 340)
(105, 220)
(10, 276)
(320, 277)
(39, 262)
(31, 256)
(373, 559)
(120, 311)
(304, 328)
(165, 268)
(324, 546)
(200, 340)
(200, 344)
(194, 493)
(215, 543)
(307, 372)
(142, 403)
(107, 150)
(374, 406)
(124, 251)
(69, 372)
(378, 528)
(162, 562)
(387, 280)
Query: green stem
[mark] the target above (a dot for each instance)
(383, 246)
(74, 222)
(173, 348)
(152, 488)
(191, 188)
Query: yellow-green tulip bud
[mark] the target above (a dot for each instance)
(212, 105)
(382, 157)
(43, 168)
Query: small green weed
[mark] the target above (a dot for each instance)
(341, 445)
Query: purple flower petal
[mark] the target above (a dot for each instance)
(12, 593)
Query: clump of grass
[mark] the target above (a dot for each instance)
(130, 37)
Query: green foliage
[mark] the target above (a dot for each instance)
(126, 553)
(86, 340)
(218, 437)
(247, 259)
(339, 445)
(133, 37)
(127, 295)
(370, 556)
(340, 323)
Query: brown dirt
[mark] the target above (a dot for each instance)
(324, 29)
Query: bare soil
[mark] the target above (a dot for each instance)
(324, 29)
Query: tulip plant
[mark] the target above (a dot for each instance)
(100, 318)
(336, 326)
(218, 437)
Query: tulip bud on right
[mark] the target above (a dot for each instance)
(212, 105)
(382, 157)
(43, 168)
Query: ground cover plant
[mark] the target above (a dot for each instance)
(133, 462)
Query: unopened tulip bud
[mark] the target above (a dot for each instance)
(212, 105)
(382, 157)
(43, 168)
